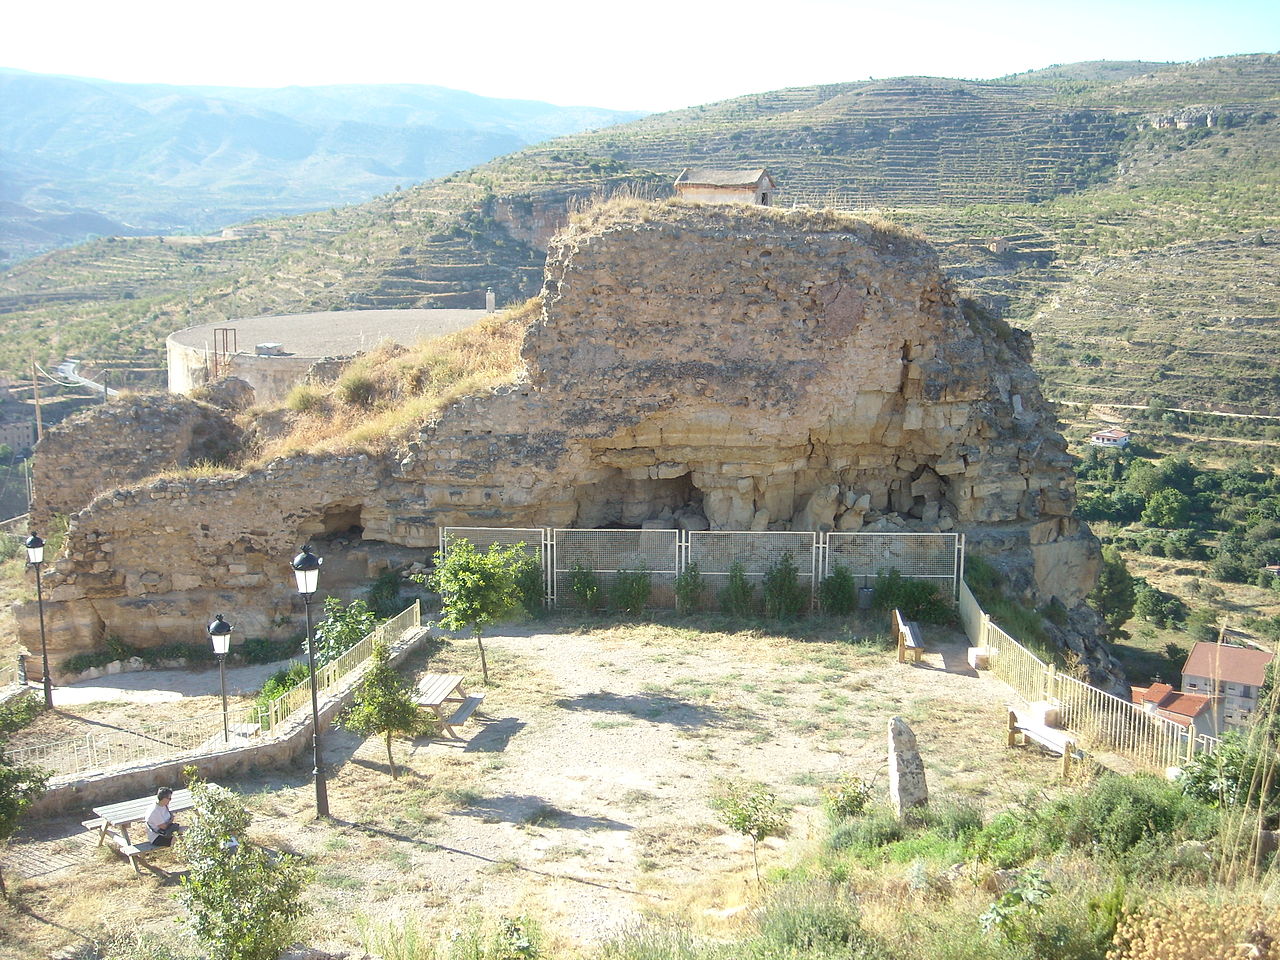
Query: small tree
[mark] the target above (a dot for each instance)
(1113, 596)
(785, 597)
(242, 902)
(384, 704)
(476, 589)
(20, 786)
(586, 587)
(737, 599)
(630, 590)
(752, 810)
(838, 594)
(342, 628)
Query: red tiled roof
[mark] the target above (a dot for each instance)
(1113, 433)
(1181, 708)
(1232, 664)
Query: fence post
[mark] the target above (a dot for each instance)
(1051, 682)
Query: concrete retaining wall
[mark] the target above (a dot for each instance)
(80, 794)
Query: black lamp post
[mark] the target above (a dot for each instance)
(306, 567)
(35, 556)
(220, 635)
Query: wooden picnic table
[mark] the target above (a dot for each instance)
(435, 690)
(114, 819)
(118, 817)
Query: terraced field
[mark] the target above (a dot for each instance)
(1143, 256)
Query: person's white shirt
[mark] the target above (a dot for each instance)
(158, 819)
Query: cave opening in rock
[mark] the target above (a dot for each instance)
(338, 521)
(627, 503)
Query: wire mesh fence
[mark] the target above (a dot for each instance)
(608, 554)
(664, 554)
(918, 556)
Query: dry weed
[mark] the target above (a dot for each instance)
(1198, 930)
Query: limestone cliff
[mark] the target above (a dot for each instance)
(730, 367)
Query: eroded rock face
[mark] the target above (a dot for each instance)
(734, 368)
(123, 441)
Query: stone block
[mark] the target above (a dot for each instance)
(908, 789)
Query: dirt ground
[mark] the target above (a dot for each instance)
(580, 797)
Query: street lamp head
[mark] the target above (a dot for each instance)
(220, 634)
(35, 548)
(306, 567)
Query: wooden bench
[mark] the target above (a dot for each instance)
(1030, 726)
(909, 639)
(138, 851)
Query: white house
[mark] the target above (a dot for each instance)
(1111, 437)
(1230, 674)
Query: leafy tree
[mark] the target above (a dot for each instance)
(20, 786)
(1114, 595)
(1168, 509)
(477, 589)
(242, 902)
(383, 704)
(342, 628)
(752, 810)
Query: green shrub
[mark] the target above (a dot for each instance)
(383, 595)
(630, 590)
(1238, 773)
(955, 819)
(847, 797)
(17, 713)
(838, 593)
(813, 917)
(342, 628)
(689, 589)
(280, 683)
(1008, 840)
(737, 599)
(305, 398)
(265, 650)
(878, 827)
(489, 937)
(530, 584)
(752, 810)
(586, 587)
(914, 599)
(785, 597)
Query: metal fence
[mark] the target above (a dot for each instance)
(110, 748)
(1100, 721)
(665, 554)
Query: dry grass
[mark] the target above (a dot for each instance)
(385, 394)
(1236, 925)
(623, 210)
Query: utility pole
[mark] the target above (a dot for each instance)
(35, 387)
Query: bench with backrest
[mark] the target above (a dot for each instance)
(909, 639)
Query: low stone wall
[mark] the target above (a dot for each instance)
(80, 794)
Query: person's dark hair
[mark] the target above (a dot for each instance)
(164, 793)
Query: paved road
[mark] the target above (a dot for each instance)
(161, 686)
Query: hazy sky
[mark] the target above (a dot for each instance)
(648, 56)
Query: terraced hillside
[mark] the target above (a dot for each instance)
(1125, 212)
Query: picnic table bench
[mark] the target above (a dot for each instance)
(114, 820)
(909, 639)
(436, 690)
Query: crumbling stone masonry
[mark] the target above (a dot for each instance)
(731, 367)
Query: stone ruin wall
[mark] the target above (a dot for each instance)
(732, 369)
(120, 442)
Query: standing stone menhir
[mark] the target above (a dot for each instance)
(907, 787)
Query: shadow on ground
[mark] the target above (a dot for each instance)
(657, 707)
(535, 811)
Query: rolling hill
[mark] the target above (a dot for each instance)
(1124, 212)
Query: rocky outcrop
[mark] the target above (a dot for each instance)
(132, 437)
(727, 367)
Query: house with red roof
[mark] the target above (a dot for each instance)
(1191, 711)
(1229, 673)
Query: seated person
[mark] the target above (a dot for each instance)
(161, 826)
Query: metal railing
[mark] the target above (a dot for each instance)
(1100, 721)
(110, 748)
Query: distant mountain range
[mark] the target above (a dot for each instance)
(82, 157)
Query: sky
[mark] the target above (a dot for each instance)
(655, 55)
